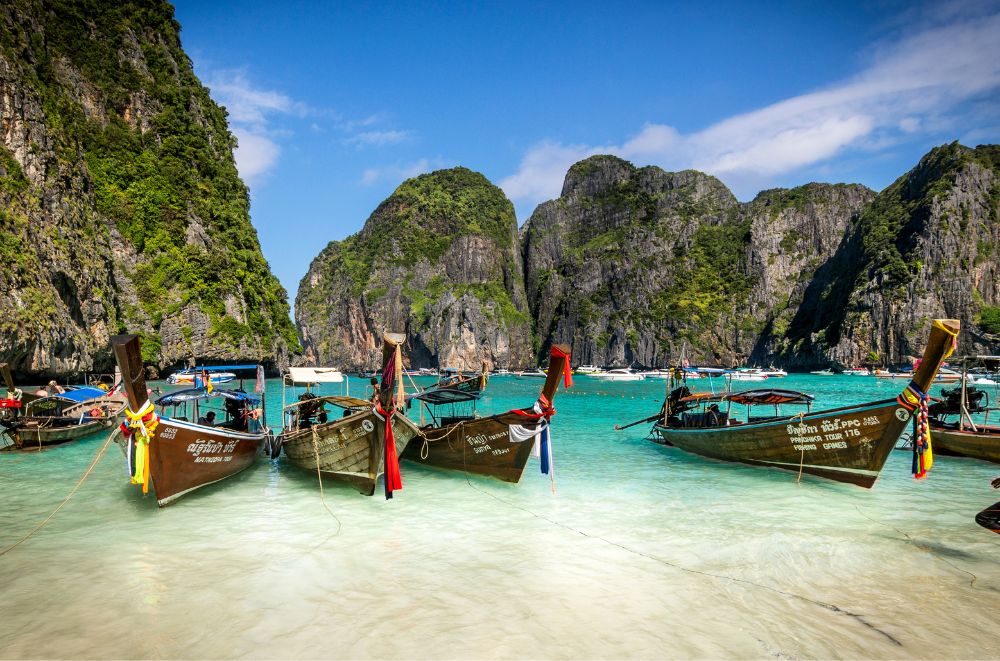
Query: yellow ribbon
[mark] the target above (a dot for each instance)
(143, 433)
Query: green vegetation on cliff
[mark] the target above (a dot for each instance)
(158, 152)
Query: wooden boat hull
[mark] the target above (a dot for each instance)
(34, 431)
(351, 449)
(848, 444)
(483, 446)
(982, 444)
(184, 456)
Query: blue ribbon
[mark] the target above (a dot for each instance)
(545, 450)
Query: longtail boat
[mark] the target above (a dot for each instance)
(964, 437)
(497, 445)
(470, 383)
(847, 444)
(362, 445)
(37, 421)
(179, 453)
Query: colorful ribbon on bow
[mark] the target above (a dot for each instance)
(142, 425)
(393, 478)
(916, 401)
(567, 370)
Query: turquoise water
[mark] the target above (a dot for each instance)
(641, 551)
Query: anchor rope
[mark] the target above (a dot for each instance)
(65, 500)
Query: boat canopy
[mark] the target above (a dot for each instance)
(441, 396)
(770, 396)
(305, 375)
(215, 368)
(343, 401)
(704, 397)
(192, 394)
(81, 394)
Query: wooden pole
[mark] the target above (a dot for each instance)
(129, 358)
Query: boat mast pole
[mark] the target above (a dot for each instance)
(129, 359)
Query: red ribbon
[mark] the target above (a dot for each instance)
(567, 371)
(393, 479)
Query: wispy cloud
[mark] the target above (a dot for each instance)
(252, 115)
(377, 138)
(397, 172)
(909, 87)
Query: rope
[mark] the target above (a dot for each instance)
(319, 476)
(86, 473)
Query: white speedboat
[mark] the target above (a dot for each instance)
(774, 372)
(588, 369)
(621, 374)
(857, 371)
(188, 376)
(657, 374)
(748, 375)
(822, 372)
(530, 374)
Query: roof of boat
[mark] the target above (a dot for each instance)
(315, 375)
(191, 394)
(343, 401)
(770, 396)
(440, 396)
(80, 394)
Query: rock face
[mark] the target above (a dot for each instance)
(120, 205)
(927, 246)
(437, 260)
(630, 264)
(641, 266)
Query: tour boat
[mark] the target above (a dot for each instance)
(363, 442)
(497, 445)
(177, 445)
(847, 444)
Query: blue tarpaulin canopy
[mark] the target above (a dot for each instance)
(82, 394)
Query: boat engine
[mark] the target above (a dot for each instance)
(976, 401)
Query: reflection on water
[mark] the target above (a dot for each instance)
(643, 551)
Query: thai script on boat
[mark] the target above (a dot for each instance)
(201, 447)
(480, 443)
(830, 434)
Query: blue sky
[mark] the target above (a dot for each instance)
(335, 104)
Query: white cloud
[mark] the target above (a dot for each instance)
(251, 116)
(377, 138)
(398, 172)
(908, 88)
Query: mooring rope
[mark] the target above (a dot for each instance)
(65, 500)
(822, 604)
(319, 476)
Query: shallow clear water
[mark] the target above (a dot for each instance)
(642, 552)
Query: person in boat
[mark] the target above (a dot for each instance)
(713, 417)
(208, 419)
(15, 393)
(55, 388)
(375, 390)
(237, 411)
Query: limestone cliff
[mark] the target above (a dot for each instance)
(437, 260)
(120, 205)
(927, 246)
(630, 264)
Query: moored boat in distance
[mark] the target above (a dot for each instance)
(619, 374)
(174, 454)
(497, 445)
(67, 416)
(588, 369)
(537, 373)
(826, 372)
(846, 444)
(219, 374)
(857, 371)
